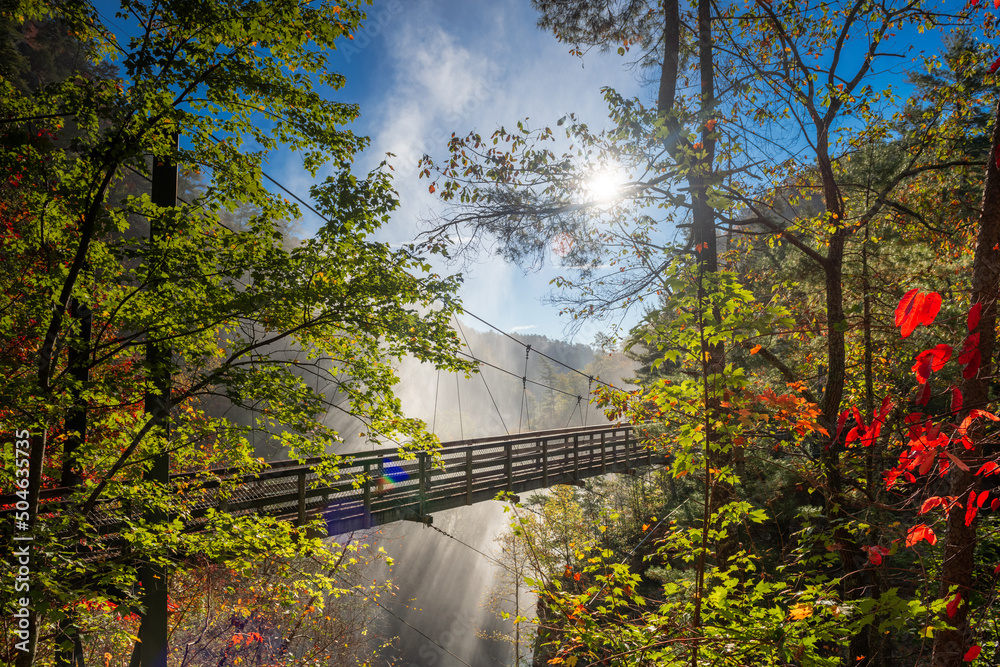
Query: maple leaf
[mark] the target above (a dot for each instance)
(915, 309)
(973, 652)
(800, 612)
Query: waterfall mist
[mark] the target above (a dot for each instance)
(441, 613)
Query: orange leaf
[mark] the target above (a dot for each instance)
(800, 612)
(930, 504)
(957, 461)
(918, 533)
(755, 349)
(431, 189)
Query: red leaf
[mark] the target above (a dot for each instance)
(918, 533)
(915, 309)
(995, 504)
(952, 607)
(931, 503)
(973, 366)
(956, 400)
(969, 356)
(885, 407)
(996, 570)
(958, 461)
(973, 652)
(841, 421)
(981, 498)
(987, 468)
(925, 395)
(875, 554)
(970, 509)
(976, 310)
(931, 360)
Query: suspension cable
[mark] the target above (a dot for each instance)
(487, 384)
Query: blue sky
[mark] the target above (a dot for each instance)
(422, 70)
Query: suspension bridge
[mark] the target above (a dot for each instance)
(370, 489)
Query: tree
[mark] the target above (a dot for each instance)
(173, 294)
(800, 149)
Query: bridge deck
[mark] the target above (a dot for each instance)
(374, 488)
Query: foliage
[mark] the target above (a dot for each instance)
(107, 292)
(840, 209)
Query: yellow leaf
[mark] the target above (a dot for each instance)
(800, 612)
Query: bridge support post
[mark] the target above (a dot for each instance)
(509, 467)
(627, 466)
(302, 498)
(468, 476)
(366, 496)
(545, 462)
(604, 464)
(576, 458)
(422, 488)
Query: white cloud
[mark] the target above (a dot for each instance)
(458, 67)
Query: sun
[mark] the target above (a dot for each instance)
(605, 184)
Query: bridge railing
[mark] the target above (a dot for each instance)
(372, 488)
